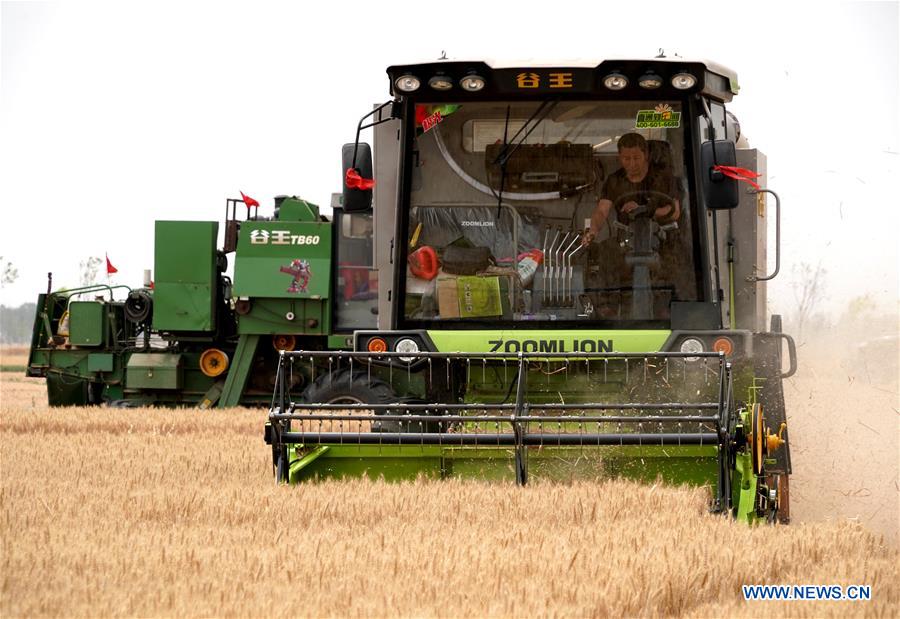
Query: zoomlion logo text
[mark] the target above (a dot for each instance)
(661, 117)
(282, 237)
(477, 224)
(574, 345)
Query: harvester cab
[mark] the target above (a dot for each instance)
(572, 283)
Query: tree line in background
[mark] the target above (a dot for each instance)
(16, 323)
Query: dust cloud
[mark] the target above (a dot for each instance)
(844, 417)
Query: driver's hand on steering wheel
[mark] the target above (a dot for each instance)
(629, 206)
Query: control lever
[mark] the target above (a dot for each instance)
(548, 293)
(560, 266)
(544, 254)
(672, 225)
(567, 269)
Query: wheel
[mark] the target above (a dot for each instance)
(213, 362)
(126, 404)
(342, 387)
(284, 342)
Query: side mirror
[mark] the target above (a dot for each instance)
(719, 191)
(356, 199)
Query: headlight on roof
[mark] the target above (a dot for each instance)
(683, 81)
(407, 83)
(440, 82)
(615, 81)
(472, 82)
(650, 81)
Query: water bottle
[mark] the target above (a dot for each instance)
(528, 264)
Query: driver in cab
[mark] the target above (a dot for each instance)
(635, 184)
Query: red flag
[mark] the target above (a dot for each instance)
(110, 269)
(249, 201)
(739, 174)
(354, 181)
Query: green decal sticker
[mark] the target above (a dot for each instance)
(661, 117)
(479, 296)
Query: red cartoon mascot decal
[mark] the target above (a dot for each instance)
(300, 271)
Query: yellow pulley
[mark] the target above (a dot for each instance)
(213, 362)
(773, 441)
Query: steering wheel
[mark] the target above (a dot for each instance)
(644, 210)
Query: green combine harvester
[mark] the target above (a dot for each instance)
(194, 337)
(546, 272)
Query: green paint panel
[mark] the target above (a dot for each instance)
(340, 342)
(295, 209)
(154, 371)
(270, 316)
(285, 260)
(185, 275)
(87, 323)
(564, 340)
(100, 362)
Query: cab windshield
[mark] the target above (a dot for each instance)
(548, 211)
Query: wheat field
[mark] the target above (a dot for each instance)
(143, 512)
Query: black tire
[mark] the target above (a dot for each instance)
(126, 404)
(342, 387)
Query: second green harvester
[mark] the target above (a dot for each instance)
(194, 335)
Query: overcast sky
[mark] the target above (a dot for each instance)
(113, 115)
